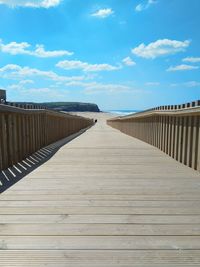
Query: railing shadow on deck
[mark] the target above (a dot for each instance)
(15, 173)
(29, 137)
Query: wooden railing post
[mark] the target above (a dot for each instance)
(198, 145)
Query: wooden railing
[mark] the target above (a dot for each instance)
(173, 129)
(25, 105)
(23, 132)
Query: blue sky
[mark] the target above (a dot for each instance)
(120, 54)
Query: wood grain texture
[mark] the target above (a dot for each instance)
(104, 199)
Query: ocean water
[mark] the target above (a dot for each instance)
(122, 112)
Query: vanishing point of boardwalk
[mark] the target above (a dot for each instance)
(104, 199)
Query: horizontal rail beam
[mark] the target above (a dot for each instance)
(193, 111)
(12, 109)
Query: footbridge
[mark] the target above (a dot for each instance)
(75, 193)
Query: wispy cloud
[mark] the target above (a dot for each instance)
(25, 89)
(192, 59)
(12, 71)
(192, 84)
(26, 82)
(186, 84)
(107, 88)
(45, 92)
(40, 52)
(182, 67)
(95, 87)
(152, 83)
(77, 64)
(31, 3)
(142, 6)
(14, 48)
(103, 13)
(128, 61)
(159, 48)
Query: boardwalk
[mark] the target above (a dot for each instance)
(104, 199)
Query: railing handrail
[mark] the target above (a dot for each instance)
(12, 109)
(177, 112)
(25, 105)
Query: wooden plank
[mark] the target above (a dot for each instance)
(180, 139)
(194, 150)
(198, 145)
(4, 136)
(173, 129)
(98, 229)
(101, 219)
(53, 195)
(1, 145)
(101, 203)
(104, 199)
(189, 142)
(10, 146)
(100, 242)
(100, 258)
(100, 210)
(176, 139)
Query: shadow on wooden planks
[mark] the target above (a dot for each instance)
(18, 171)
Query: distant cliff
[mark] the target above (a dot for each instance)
(68, 106)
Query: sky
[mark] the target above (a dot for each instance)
(119, 54)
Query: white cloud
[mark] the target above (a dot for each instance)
(106, 88)
(139, 7)
(128, 61)
(160, 48)
(14, 48)
(37, 93)
(26, 82)
(152, 83)
(40, 52)
(44, 94)
(182, 68)
(103, 13)
(142, 6)
(20, 85)
(186, 84)
(31, 3)
(152, 2)
(95, 87)
(76, 64)
(192, 59)
(12, 71)
(192, 84)
(45, 91)
(23, 48)
(89, 87)
(174, 84)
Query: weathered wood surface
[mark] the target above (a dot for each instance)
(173, 129)
(104, 199)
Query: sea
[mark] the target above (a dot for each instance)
(122, 112)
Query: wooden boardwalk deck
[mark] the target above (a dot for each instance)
(104, 199)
